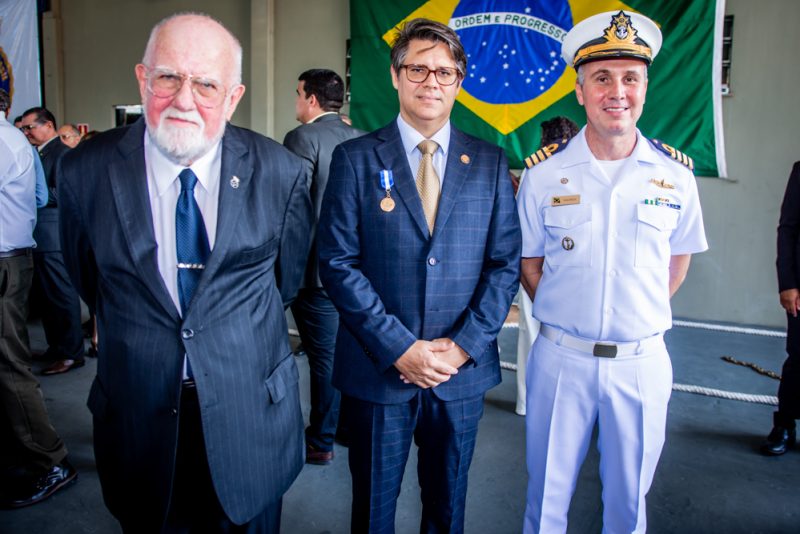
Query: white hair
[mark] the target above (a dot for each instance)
(236, 46)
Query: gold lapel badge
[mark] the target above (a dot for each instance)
(464, 159)
(235, 182)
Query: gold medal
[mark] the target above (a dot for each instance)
(387, 204)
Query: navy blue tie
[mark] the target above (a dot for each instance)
(191, 240)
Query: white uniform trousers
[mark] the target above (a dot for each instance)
(568, 391)
(528, 330)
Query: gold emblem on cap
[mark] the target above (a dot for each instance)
(565, 180)
(619, 37)
(235, 182)
(464, 159)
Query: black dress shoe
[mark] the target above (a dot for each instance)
(779, 441)
(62, 366)
(39, 488)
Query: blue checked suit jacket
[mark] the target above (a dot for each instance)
(234, 332)
(393, 283)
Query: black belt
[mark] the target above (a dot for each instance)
(16, 252)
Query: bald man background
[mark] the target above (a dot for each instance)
(188, 237)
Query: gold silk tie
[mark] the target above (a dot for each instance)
(428, 182)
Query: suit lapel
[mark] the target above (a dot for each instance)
(456, 173)
(235, 176)
(392, 155)
(128, 178)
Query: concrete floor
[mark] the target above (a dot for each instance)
(710, 480)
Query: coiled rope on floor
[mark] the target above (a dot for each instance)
(700, 390)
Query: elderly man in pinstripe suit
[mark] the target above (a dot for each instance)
(184, 234)
(422, 272)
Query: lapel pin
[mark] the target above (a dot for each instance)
(235, 182)
(565, 180)
(464, 159)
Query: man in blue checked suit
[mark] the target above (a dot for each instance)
(419, 249)
(188, 236)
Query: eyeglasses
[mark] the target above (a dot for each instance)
(28, 127)
(420, 73)
(165, 83)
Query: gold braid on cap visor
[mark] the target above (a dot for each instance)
(610, 49)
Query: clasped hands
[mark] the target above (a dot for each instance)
(429, 363)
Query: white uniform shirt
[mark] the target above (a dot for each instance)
(17, 189)
(164, 188)
(607, 253)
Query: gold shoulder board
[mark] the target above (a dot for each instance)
(674, 153)
(545, 152)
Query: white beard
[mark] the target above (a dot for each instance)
(183, 145)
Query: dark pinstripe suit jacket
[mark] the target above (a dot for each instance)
(393, 283)
(234, 332)
(46, 231)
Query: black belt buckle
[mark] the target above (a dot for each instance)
(605, 350)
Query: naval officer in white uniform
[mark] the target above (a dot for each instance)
(609, 223)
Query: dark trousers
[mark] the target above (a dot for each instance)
(789, 389)
(381, 435)
(317, 321)
(61, 307)
(194, 506)
(27, 434)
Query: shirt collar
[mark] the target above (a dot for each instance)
(411, 137)
(165, 171)
(322, 115)
(41, 147)
(641, 152)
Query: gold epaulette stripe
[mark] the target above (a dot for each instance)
(544, 153)
(675, 154)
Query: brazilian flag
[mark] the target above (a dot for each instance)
(516, 78)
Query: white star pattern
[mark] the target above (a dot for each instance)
(544, 70)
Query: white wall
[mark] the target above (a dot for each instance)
(735, 281)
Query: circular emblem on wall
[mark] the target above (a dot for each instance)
(513, 48)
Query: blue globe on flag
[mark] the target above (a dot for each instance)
(513, 48)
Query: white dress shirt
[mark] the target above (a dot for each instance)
(411, 138)
(164, 188)
(17, 189)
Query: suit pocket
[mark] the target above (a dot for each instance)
(282, 378)
(98, 401)
(257, 254)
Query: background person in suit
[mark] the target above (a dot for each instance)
(784, 434)
(320, 94)
(60, 305)
(197, 421)
(422, 275)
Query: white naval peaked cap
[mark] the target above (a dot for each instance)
(611, 35)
